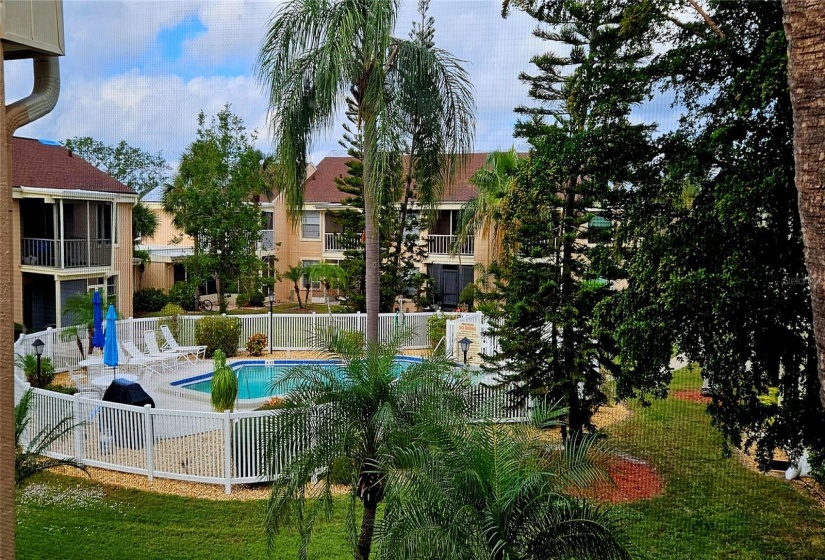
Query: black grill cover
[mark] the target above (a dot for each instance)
(125, 392)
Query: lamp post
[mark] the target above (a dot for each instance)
(464, 345)
(271, 301)
(38, 351)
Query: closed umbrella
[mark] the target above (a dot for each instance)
(110, 351)
(97, 321)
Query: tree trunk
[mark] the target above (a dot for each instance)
(371, 244)
(219, 289)
(367, 529)
(298, 295)
(574, 420)
(805, 30)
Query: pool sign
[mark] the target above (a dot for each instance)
(473, 332)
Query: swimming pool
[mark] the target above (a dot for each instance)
(255, 377)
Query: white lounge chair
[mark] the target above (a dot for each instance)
(154, 351)
(147, 363)
(82, 382)
(190, 351)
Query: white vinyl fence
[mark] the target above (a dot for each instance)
(208, 447)
(286, 332)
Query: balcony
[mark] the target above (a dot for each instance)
(76, 253)
(443, 245)
(339, 242)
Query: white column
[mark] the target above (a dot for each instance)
(58, 307)
(62, 237)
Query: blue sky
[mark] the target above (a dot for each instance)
(141, 71)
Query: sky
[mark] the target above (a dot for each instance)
(141, 71)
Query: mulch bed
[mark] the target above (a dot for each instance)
(690, 395)
(633, 480)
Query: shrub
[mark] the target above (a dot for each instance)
(256, 344)
(61, 389)
(437, 327)
(468, 296)
(28, 364)
(256, 299)
(340, 471)
(218, 333)
(224, 391)
(242, 300)
(149, 300)
(183, 294)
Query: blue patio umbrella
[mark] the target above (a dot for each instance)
(97, 321)
(110, 353)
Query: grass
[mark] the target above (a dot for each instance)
(712, 507)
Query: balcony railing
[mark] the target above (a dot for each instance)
(443, 245)
(78, 253)
(339, 242)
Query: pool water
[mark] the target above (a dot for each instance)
(255, 379)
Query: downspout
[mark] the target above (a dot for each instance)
(42, 99)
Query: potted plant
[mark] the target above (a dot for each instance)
(224, 384)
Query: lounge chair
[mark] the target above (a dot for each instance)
(190, 352)
(147, 363)
(154, 351)
(83, 384)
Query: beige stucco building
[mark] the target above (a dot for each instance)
(72, 226)
(317, 236)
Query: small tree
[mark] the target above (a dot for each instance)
(224, 384)
(294, 274)
(356, 413)
(214, 199)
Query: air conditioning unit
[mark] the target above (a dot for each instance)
(30, 28)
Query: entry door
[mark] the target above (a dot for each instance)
(449, 287)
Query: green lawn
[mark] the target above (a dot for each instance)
(712, 508)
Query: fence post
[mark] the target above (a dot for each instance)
(270, 329)
(79, 437)
(227, 451)
(149, 442)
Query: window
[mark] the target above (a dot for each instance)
(311, 225)
(305, 282)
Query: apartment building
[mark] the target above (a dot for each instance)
(73, 224)
(318, 235)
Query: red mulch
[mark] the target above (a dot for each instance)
(691, 395)
(633, 480)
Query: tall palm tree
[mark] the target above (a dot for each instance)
(495, 491)
(806, 77)
(482, 213)
(318, 53)
(356, 414)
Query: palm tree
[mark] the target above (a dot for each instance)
(356, 414)
(482, 213)
(29, 460)
(318, 53)
(806, 77)
(495, 491)
(330, 275)
(79, 310)
(295, 273)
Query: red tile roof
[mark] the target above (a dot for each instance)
(320, 186)
(35, 164)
